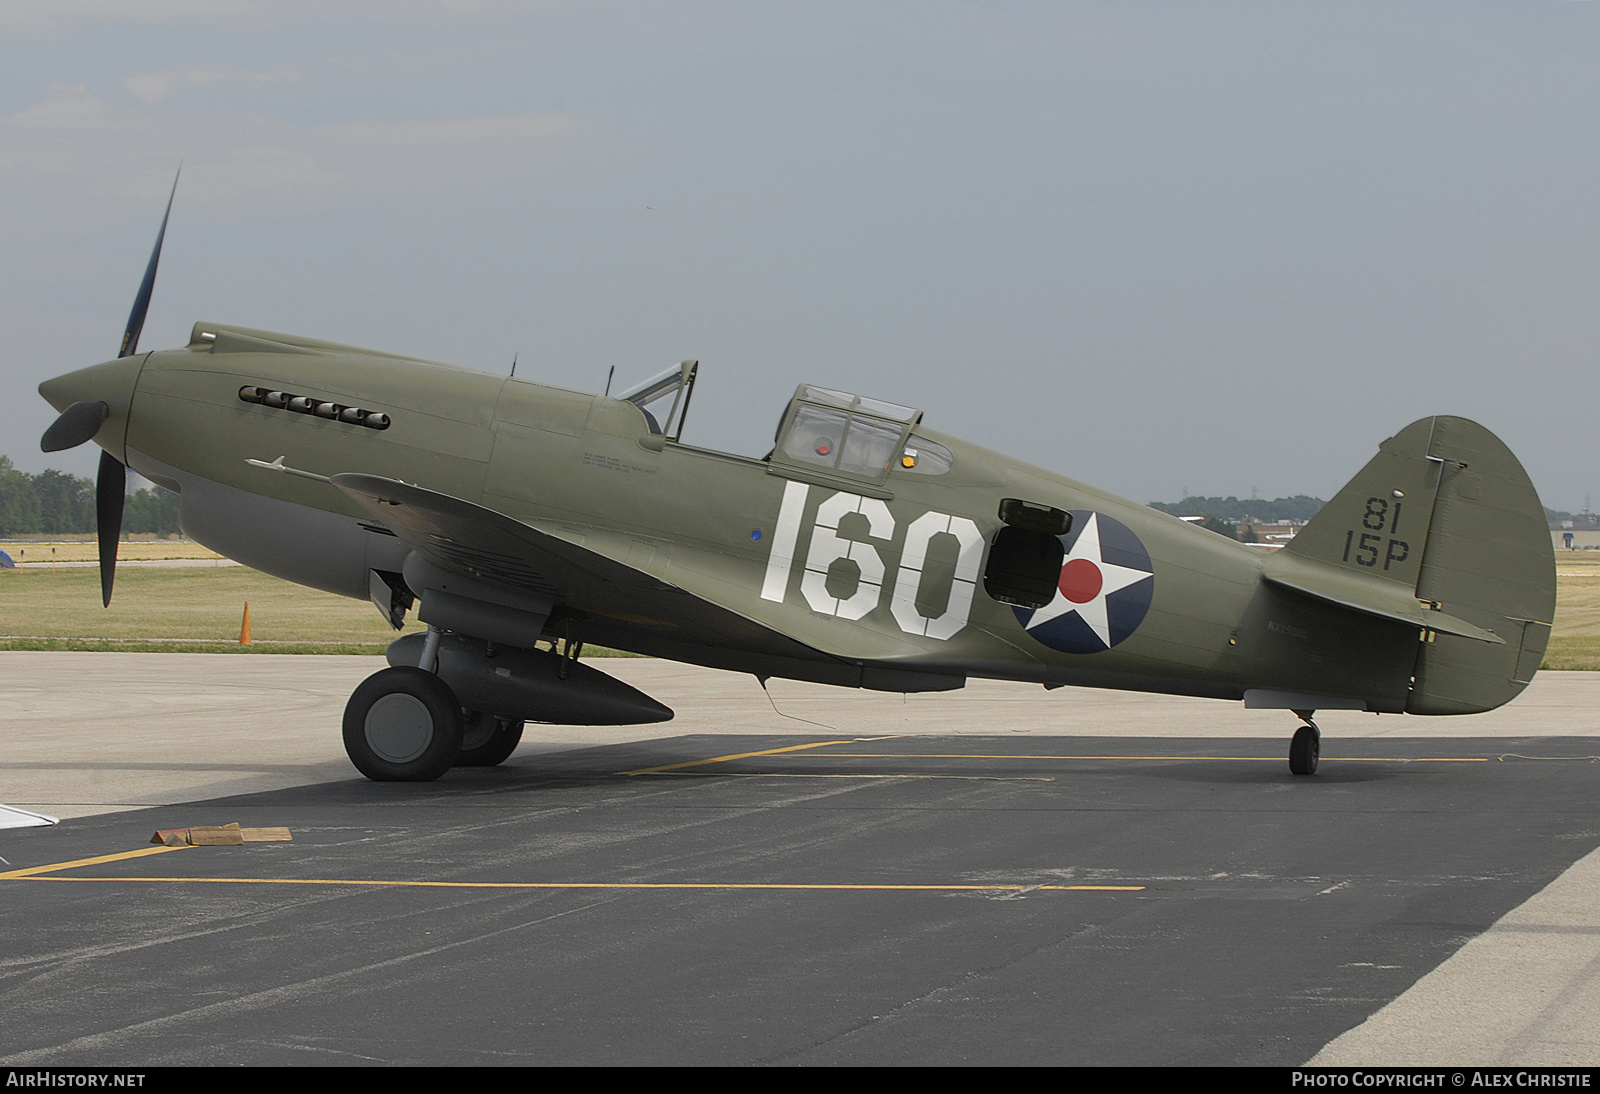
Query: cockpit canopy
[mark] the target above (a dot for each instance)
(834, 431)
(822, 431)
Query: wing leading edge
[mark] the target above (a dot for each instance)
(610, 601)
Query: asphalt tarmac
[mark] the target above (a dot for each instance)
(998, 876)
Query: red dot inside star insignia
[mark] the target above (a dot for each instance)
(1080, 581)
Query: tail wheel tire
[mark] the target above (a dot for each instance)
(1305, 750)
(402, 725)
(487, 740)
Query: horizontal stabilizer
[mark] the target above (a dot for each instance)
(1356, 591)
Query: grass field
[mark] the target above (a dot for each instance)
(196, 609)
(199, 609)
(1575, 642)
(40, 550)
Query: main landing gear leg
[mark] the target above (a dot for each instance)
(1306, 747)
(404, 724)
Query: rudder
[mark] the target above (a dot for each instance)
(1489, 553)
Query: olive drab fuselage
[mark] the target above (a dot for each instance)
(865, 549)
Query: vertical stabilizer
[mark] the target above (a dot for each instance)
(1444, 514)
(1377, 526)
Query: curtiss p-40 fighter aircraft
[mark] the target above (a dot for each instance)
(865, 550)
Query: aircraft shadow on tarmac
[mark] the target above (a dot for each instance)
(1074, 765)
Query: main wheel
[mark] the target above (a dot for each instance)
(402, 725)
(1305, 750)
(487, 740)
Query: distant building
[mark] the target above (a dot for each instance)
(1579, 532)
(1269, 535)
(1575, 539)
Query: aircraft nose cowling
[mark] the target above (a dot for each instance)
(112, 383)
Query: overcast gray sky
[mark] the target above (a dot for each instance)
(1147, 245)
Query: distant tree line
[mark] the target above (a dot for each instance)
(54, 502)
(1224, 514)
(1231, 510)
(1584, 519)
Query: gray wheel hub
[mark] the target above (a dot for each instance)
(399, 728)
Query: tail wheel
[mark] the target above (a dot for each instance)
(402, 725)
(1305, 750)
(487, 740)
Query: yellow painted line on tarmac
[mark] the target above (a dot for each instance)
(735, 756)
(1260, 759)
(50, 872)
(646, 885)
(681, 768)
(35, 871)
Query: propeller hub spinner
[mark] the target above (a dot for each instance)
(111, 383)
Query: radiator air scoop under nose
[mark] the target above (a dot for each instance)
(531, 685)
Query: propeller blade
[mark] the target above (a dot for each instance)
(141, 303)
(109, 486)
(78, 423)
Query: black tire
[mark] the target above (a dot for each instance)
(1304, 751)
(487, 740)
(402, 725)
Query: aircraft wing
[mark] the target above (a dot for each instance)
(467, 539)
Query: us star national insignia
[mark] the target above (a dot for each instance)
(1104, 590)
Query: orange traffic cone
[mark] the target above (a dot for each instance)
(244, 627)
